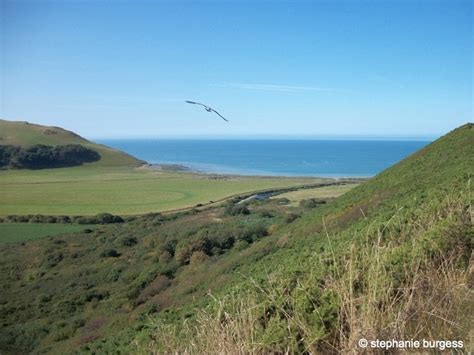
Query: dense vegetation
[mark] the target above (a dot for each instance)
(78, 287)
(389, 259)
(43, 157)
(101, 218)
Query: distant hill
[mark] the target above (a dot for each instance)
(25, 134)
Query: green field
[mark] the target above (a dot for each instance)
(20, 232)
(113, 184)
(88, 190)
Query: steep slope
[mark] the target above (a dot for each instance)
(26, 134)
(388, 260)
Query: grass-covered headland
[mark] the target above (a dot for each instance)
(389, 259)
(26, 135)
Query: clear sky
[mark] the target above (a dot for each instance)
(273, 68)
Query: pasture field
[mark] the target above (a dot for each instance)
(20, 232)
(325, 192)
(88, 190)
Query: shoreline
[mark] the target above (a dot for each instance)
(181, 168)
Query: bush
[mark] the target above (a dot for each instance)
(182, 254)
(201, 243)
(101, 218)
(266, 214)
(198, 257)
(312, 202)
(165, 257)
(63, 219)
(109, 253)
(129, 241)
(251, 233)
(107, 218)
(291, 217)
(236, 210)
(54, 259)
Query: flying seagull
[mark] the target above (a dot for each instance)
(208, 109)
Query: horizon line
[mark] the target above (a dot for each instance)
(394, 137)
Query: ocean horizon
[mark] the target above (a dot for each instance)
(273, 157)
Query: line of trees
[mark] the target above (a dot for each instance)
(101, 218)
(43, 156)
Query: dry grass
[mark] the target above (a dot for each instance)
(430, 303)
(401, 282)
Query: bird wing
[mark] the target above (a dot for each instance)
(195, 103)
(208, 108)
(225, 119)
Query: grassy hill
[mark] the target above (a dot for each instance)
(389, 259)
(26, 134)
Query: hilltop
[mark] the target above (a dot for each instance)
(389, 259)
(25, 134)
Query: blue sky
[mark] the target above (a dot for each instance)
(274, 68)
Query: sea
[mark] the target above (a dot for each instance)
(278, 157)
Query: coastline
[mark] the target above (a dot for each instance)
(182, 168)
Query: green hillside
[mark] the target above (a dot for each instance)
(26, 134)
(389, 259)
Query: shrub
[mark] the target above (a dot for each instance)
(198, 257)
(129, 241)
(291, 217)
(101, 218)
(236, 210)
(54, 259)
(63, 219)
(182, 254)
(114, 275)
(160, 283)
(266, 214)
(201, 243)
(107, 218)
(112, 253)
(165, 257)
(312, 202)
